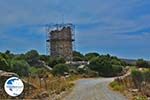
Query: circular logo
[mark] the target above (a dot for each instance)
(14, 86)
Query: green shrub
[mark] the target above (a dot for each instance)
(106, 69)
(104, 66)
(146, 75)
(89, 56)
(117, 69)
(32, 57)
(40, 72)
(60, 69)
(76, 58)
(4, 64)
(55, 60)
(81, 70)
(19, 57)
(77, 54)
(137, 77)
(44, 58)
(21, 67)
(34, 70)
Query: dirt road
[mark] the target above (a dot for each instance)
(94, 89)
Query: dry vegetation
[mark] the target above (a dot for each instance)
(50, 87)
(135, 85)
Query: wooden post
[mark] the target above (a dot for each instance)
(45, 83)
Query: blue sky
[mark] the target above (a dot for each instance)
(117, 27)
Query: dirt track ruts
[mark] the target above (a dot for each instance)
(94, 89)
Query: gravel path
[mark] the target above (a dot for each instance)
(94, 89)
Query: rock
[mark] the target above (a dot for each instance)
(146, 89)
(4, 76)
(7, 74)
(28, 87)
(133, 90)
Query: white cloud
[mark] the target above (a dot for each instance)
(98, 21)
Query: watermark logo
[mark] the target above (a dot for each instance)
(14, 86)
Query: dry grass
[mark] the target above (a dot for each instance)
(117, 86)
(53, 85)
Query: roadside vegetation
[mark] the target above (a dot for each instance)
(32, 63)
(107, 65)
(31, 69)
(55, 75)
(116, 86)
(136, 85)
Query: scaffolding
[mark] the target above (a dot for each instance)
(60, 40)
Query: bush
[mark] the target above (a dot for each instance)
(117, 86)
(77, 56)
(142, 63)
(104, 66)
(4, 64)
(117, 69)
(137, 78)
(5, 56)
(60, 60)
(38, 71)
(44, 58)
(19, 57)
(32, 57)
(34, 70)
(54, 61)
(106, 69)
(21, 67)
(60, 69)
(89, 56)
(81, 70)
(146, 75)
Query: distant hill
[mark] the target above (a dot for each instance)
(131, 61)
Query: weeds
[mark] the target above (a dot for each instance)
(117, 86)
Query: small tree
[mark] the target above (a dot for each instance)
(32, 57)
(7, 52)
(60, 69)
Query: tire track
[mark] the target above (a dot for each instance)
(94, 89)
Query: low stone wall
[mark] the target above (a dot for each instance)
(131, 87)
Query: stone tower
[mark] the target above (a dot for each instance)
(61, 42)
